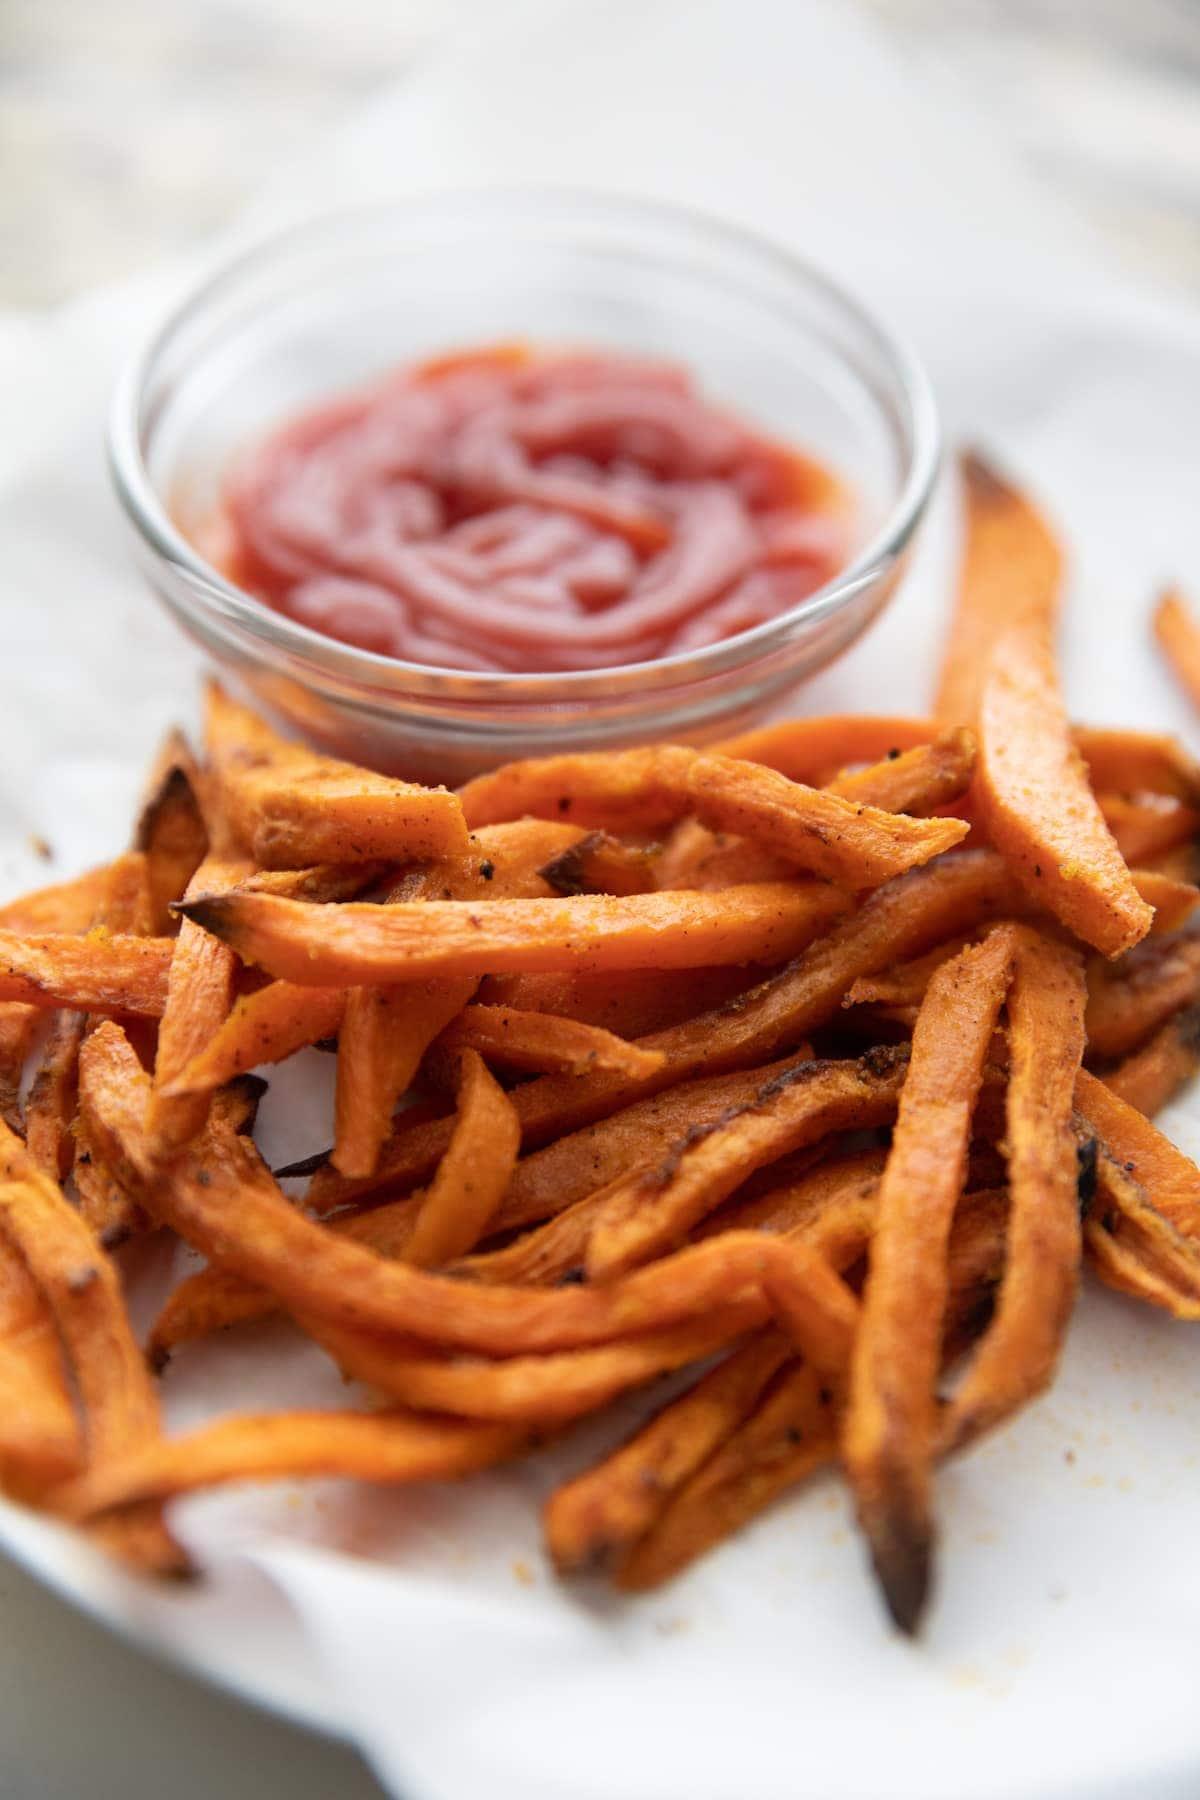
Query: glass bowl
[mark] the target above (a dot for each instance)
(337, 303)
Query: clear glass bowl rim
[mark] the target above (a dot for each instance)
(385, 674)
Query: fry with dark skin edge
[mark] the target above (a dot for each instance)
(325, 946)
(1011, 574)
(385, 1447)
(1170, 1178)
(549, 1181)
(902, 919)
(1150, 1078)
(1178, 638)
(1019, 1352)
(83, 1291)
(601, 864)
(1133, 1247)
(539, 1043)
(474, 1173)
(320, 1275)
(891, 1419)
(1129, 999)
(18, 1024)
(653, 1213)
(1036, 805)
(170, 830)
(199, 996)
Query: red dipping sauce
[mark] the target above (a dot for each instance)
(508, 509)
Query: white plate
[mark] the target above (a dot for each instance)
(1059, 1655)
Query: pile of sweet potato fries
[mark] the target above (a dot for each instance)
(817, 1062)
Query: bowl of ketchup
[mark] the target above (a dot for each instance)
(482, 476)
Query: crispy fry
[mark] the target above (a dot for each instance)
(619, 791)
(107, 1207)
(83, 1292)
(1150, 1078)
(1037, 806)
(50, 1106)
(535, 1390)
(1170, 1178)
(632, 1002)
(1011, 575)
(1148, 827)
(374, 1446)
(652, 1213)
(322, 882)
(96, 973)
(899, 920)
(905, 983)
(589, 1522)
(40, 1441)
(385, 1033)
(473, 1174)
(890, 1425)
(845, 841)
(1020, 1349)
(600, 864)
(69, 906)
(266, 1026)
(1174, 901)
(1179, 640)
(199, 996)
(326, 945)
(323, 1276)
(18, 1024)
(1138, 762)
(1129, 999)
(539, 1043)
(1134, 1248)
(790, 1434)
(170, 830)
(817, 750)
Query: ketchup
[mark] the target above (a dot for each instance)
(517, 510)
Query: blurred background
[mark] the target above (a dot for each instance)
(130, 127)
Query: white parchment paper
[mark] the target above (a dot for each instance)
(1059, 1656)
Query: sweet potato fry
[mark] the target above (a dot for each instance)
(539, 1043)
(1011, 575)
(600, 864)
(320, 1275)
(534, 1390)
(618, 791)
(290, 807)
(96, 973)
(653, 1212)
(1134, 1248)
(170, 830)
(818, 750)
(1036, 805)
(68, 906)
(1148, 827)
(789, 1435)
(40, 1441)
(1020, 1349)
(1150, 1078)
(904, 984)
(897, 921)
(1174, 901)
(199, 996)
(385, 1033)
(1178, 638)
(82, 1289)
(265, 1026)
(1138, 762)
(844, 841)
(1170, 1178)
(591, 1521)
(50, 1105)
(631, 1003)
(18, 1024)
(373, 1446)
(322, 882)
(1129, 999)
(473, 1174)
(891, 1420)
(325, 946)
